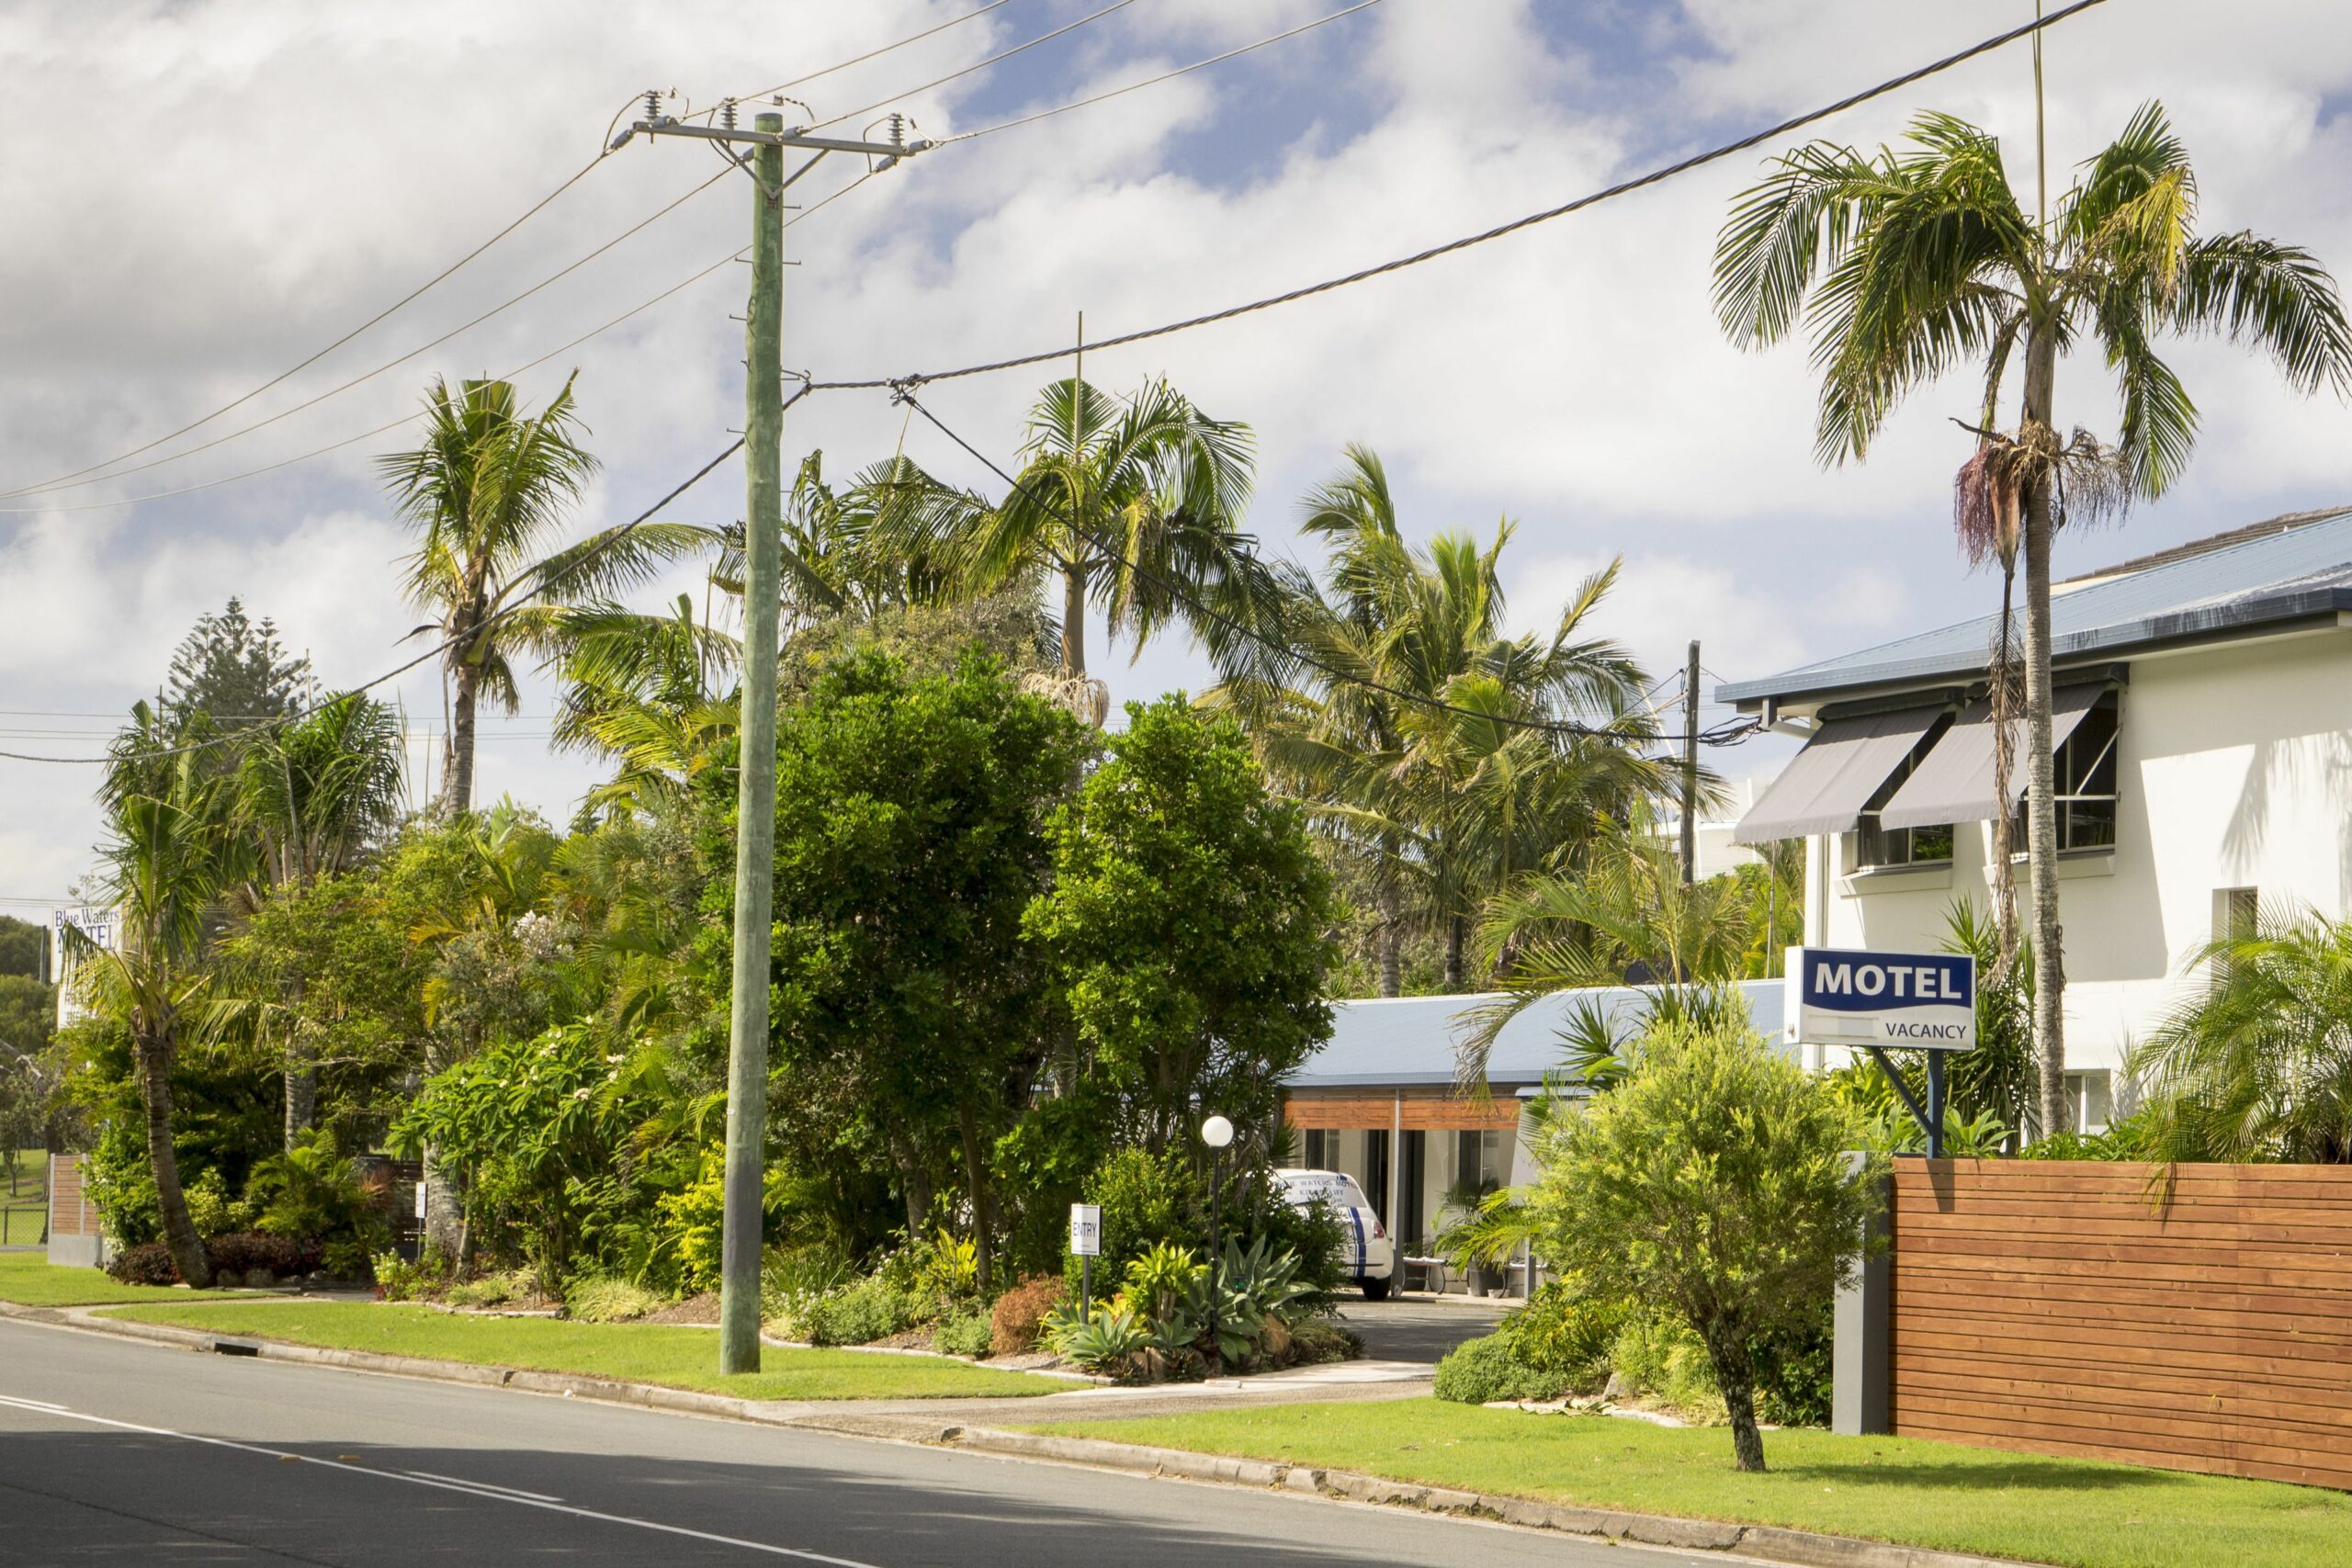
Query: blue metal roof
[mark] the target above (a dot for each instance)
(2298, 573)
(1411, 1040)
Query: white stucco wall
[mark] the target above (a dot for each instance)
(2235, 772)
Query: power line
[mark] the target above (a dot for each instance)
(404, 419)
(410, 298)
(869, 54)
(394, 364)
(1622, 187)
(1281, 649)
(610, 539)
(981, 65)
(1154, 81)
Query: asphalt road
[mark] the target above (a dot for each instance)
(117, 1452)
(1415, 1328)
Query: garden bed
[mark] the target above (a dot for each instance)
(2072, 1512)
(674, 1356)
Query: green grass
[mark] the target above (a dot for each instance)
(1905, 1490)
(677, 1357)
(21, 1226)
(29, 1280)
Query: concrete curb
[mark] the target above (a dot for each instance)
(1769, 1542)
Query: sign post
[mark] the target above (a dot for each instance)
(1086, 1241)
(1871, 1002)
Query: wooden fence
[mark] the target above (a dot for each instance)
(2048, 1307)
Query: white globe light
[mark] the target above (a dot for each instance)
(1216, 1132)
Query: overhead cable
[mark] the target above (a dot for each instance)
(1594, 198)
(614, 537)
(979, 65)
(1154, 81)
(410, 298)
(862, 58)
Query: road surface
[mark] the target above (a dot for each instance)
(113, 1451)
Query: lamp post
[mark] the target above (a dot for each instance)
(1216, 1133)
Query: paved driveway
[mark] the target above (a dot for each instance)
(1417, 1328)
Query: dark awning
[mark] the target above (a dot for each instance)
(1825, 787)
(1953, 783)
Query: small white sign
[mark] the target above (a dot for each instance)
(420, 1201)
(1086, 1229)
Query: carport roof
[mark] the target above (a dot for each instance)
(1410, 1042)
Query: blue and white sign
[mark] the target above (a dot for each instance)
(1846, 997)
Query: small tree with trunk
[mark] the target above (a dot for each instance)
(1712, 1183)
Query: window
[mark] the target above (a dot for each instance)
(1876, 847)
(2090, 1100)
(1322, 1151)
(2084, 773)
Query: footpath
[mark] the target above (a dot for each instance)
(964, 1424)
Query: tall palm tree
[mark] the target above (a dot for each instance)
(2258, 1065)
(1914, 262)
(168, 858)
(1133, 504)
(315, 794)
(644, 690)
(489, 489)
(1419, 732)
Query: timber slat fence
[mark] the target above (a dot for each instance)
(2051, 1307)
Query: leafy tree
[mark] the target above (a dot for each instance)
(488, 490)
(2258, 1064)
(1714, 1183)
(232, 671)
(1914, 262)
(1419, 735)
(910, 836)
(1188, 925)
(24, 947)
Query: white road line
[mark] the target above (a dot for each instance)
(470, 1488)
(483, 1486)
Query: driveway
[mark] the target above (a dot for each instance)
(1420, 1329)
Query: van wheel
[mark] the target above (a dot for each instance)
(1375, 1290)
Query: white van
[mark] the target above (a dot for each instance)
(1369, 1257)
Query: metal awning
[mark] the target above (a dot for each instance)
(1824, 787)
(1953, 783)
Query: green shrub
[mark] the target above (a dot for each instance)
(792, 1278)
(1111, 1340)
(1146, 1200)
(864, 1310)
(1483, 1370)
(309, 1190)
(609, 1300)
(495, 1289)
(211, 1210)
(1796, 1371)
(1565, 1331)
(149, 1263)
(397, 1280)
(1020, 1314)
(1660, 1357)
(966, 1334)
(1315, 1341)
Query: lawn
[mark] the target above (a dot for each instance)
(1905, 1490)
(677, 1357)
(20, 1225)
(28, 1279)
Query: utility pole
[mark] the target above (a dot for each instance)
(747, 1049)
(1691, 768)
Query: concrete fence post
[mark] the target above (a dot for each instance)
(1859, 1403)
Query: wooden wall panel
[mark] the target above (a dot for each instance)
(2054, 1307)
(1422, 1110)
(71, 1213)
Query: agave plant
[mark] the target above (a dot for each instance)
(1107, 1339)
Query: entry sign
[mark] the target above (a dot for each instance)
(1086, 1230)
(1847, 997)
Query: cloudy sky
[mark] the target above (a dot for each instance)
(201, 193)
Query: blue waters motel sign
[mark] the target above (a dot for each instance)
(1847, 997)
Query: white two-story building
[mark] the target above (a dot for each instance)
(2204, 726)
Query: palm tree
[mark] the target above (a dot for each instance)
(488, 490)
(168, 858)
(643, 691)
(316, 795)
(2259, 1065)
(1912, 262)
(1134, 503)
(1440, 749)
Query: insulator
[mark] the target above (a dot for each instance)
(653, 104)
(727, 113)
(898, 130)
